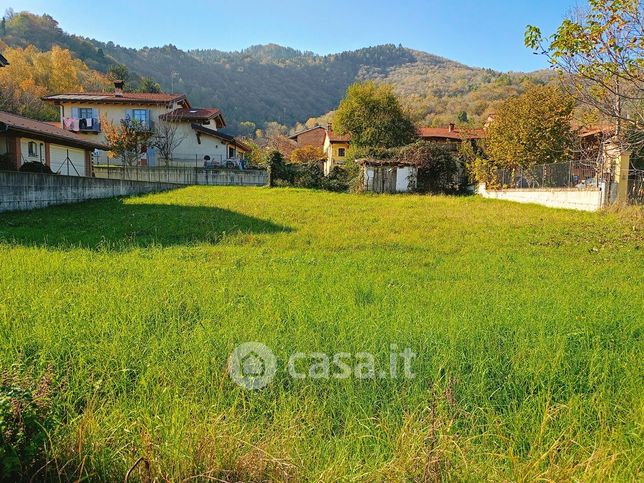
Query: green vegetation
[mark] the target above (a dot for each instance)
(599, 54)
(527, 323)
(268, 83)
(533, 128)
(373, 116)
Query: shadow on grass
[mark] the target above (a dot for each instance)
(113, 224)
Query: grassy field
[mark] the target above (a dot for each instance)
(118, 317)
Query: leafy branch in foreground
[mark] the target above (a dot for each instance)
(599, 54)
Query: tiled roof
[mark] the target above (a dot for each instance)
(604, 129)
(304, 131)
(446, 133)
(220, 135)
(196, 114)
(124, 98)
(282, 144)
(338, 138)
(47, 131)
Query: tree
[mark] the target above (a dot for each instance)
(373, 115)
(126, 140)
(599, 54)
(462, 117)
(533, 128)
(118, 72)
(167, 138)
(33, 74)
(274, 128)
(247, 128)
(149, 85)
(307, 155)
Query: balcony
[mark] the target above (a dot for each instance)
(81, 124)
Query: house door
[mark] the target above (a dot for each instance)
(384, 179)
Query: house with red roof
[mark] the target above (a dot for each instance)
(24, 140)
(196, 132)
(450, 136)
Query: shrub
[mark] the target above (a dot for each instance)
(6, 164)
(438, 167)
(35, 167)
(25, 417)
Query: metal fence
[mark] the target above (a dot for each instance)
(567, 174)
(184, 161)
(636, 187)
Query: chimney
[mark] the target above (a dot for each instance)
(451, 127)
(118, 88)
(329, 127)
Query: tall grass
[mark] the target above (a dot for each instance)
(527, 323)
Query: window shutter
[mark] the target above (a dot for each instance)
(95, 113)
(152, 157)
(75, 112)
(129, 115)
(149, 119)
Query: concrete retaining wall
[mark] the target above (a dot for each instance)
(25, 191)
(571, 198)
(189, 176)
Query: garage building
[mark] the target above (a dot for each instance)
(24, 140)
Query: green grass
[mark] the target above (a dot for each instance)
(527, 323)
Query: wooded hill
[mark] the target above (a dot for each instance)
(273, 83)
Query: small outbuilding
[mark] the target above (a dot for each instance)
(388, 175)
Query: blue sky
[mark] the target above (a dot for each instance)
(483, 33)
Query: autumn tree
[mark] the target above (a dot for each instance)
(599, 54)
(126, 139)
(374, 116)
(307, 155)
(533, 128)
(32, 74)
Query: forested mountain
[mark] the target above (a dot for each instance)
(275, 83)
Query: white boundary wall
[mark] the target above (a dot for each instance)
(571, 198)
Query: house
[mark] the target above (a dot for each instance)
(197, 139)
(314, 136)
(24, 140)
(388, 175)
(3, 61)
(450, 136)
(335, 149)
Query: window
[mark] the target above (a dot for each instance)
(231, 152)
(140, 115)
(85, 112)
(341, 152)
(32, 149)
